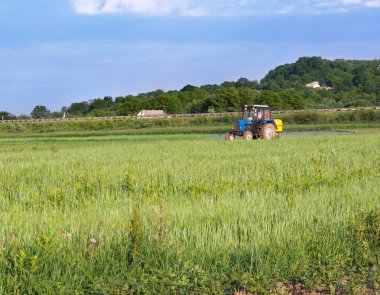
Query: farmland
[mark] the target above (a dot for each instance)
(307, 120)
(189, 214)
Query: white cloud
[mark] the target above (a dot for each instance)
(320, 6)
(86, 6)
(372, 3)
(219, 7)
(152, 7)
(352, 2)
(194, 12)
(364, 3)
(286, 9)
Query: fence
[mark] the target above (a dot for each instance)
(182, 115)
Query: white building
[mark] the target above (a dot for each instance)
(316, 85)
(151, 113)
(313, 85)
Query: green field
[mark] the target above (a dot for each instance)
(190, 214)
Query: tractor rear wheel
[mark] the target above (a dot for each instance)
(268, 131)
(247, 135)
(229, 137)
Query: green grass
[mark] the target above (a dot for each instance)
(188, 214)
(307, 120)
(178, 130)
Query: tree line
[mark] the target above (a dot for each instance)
(345, 83)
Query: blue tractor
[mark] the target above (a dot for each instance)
(255, 122)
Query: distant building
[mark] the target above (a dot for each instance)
(313, 85)
(151, 113)
(316, 85)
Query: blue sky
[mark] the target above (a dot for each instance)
(57, 52)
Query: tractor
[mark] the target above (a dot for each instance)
(255, 122)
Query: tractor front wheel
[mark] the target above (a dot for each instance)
(247, 135)
(229, 137)
(268, 131)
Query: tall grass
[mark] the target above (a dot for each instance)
(189, 215)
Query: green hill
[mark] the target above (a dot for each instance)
(345, 82)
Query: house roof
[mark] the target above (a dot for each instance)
(151, 113)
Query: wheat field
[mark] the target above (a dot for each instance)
(189, 214)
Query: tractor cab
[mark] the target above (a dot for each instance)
(252, 115)
(255, 122)
(256, 112)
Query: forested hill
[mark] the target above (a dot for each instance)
(342, 75)
(344, 83)
(338, 83)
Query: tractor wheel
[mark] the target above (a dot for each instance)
(268, 131)
(247, 135)
(229, 137)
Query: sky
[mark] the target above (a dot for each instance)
(54, 53)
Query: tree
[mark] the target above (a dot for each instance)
(247, 95)
(225, 99)
(189, 88)
(40, 112)
(6, 116)
(168, 102)
(131, 107)
(78, 108)
(244, 82)
(99, 103)
(210, 88)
